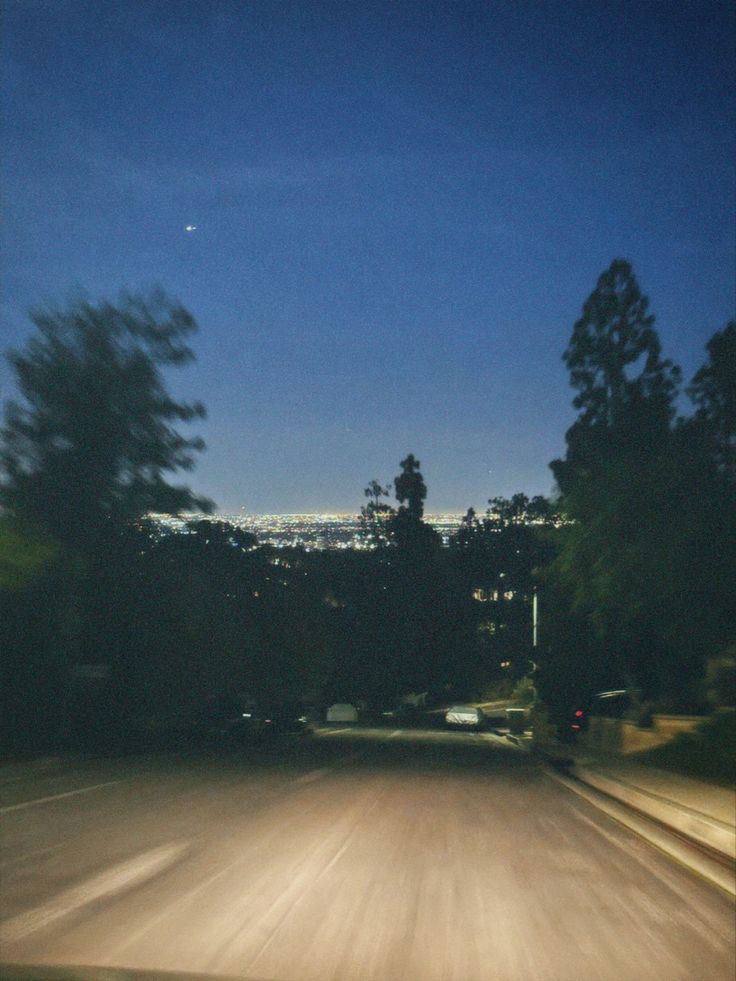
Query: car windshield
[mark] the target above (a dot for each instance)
(367, 472)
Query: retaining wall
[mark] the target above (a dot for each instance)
(623, 736)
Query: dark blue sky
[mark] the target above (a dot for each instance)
(400, 209)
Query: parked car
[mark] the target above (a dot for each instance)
(342, 712)
(465, 716)
(615, 703)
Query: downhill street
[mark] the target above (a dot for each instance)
(356, 855)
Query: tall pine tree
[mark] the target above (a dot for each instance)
(621, 555)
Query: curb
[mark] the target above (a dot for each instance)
(697, 827)
(716, 871)
(523, 742)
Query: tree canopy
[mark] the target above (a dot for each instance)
(614, 355)
(639, 562)
(713, 391)
(92, 438)
(407, 528)
(374, 515)
(625, 389)
(411, 491)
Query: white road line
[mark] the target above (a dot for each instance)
(395, 733)
(45, 800)
(331, 732)
(129, 873)
(313, 775)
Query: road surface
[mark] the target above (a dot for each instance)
(354, 855)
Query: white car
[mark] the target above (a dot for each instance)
(464, 715)
(342, 712)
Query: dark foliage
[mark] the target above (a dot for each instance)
(640, 580)
(499, 558)
(92, 438)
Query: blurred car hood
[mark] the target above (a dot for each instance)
(66, 972)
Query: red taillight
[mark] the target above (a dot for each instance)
(579, 714)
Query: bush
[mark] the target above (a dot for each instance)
(544, 732)
(720, 680)
(708, 753)
(524, 693)
(496, 691)
(642, 713)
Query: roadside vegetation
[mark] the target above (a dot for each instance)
(708, 753)
(111, 625)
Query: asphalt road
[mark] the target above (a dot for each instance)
(363, 855)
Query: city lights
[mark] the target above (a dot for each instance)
(311, 532)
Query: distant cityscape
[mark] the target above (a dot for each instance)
(308, 531)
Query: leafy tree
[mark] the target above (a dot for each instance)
(520, 509)
(614, 357)
(467, 530)
(222, 534)
(24, 553)
(381, 524)
(497, 558)
(704, 473)
(411, 491)
(510, 540)
(713, 391)
(33, 670)
(92, 438)
(625, 392)
(374, 515)
(641, 498)
(406, 527)
(404, 612)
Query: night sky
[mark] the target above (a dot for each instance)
(399, 208)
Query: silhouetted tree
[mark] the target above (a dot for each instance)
(222, 535)
(497, 558)
(704, 478)
(614, 359)
(633, 488)
(406, 527)
(30, 675)
(713, 391)
(410, 488)
(374, 515)
(24, 552)
(86, 450)
(405, 613)
(92, 438)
